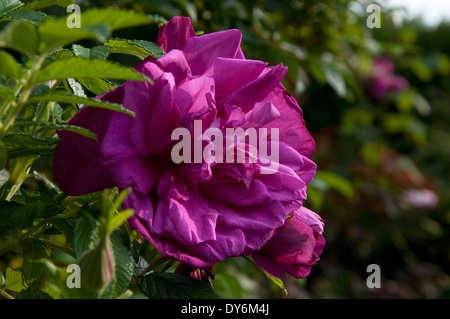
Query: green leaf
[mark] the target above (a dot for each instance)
(71, 128)
(55, 33)
(19, 145)
(138, 48)
(24, 216)
(69, 98)
(78, 67)
(34, 251)
(115, 18)
(124, 266)
(9, 66)
(20, 36)
(99, 52)
(335, 80)
(3, 155)
(14, 280)
(119, 219)
(45, 204)
(57, 287)
(96, 23)
(336, 182)
(35, 17)
(100, 30)
(277, 281)
(41, 4)
(32, 293)
(96, 85)
(8, 6)
(174, 286)
(62, 54)
(85, 233)
(7, 95)
(45, 185)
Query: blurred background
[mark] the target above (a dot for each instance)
(377, 102)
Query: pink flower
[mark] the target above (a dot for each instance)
(295, 247)
(384, 80)
(198, 213)
(419, 198)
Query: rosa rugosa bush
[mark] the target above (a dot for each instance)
(198, 213)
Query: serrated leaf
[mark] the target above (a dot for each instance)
(124, 266)
(139, 48)
(85, 233)
(20, 36)
(97, 85)
(14, 280)
(62, 54)
(69, 98)
(174, 286)
(99, 52)
(9, 66)
(115, 18)
(71, 128)
(54, 33)
(32, 293)
(78, 67)
(34, 17)
(96, 23)
(24, 216)
(41, 4)
(8, 6)
(76, 88)
(100, 30)
(47, 205)
(34, 251)
(19, 145)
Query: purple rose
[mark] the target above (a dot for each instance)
(295, 247)
(197, 213)
(384, 80)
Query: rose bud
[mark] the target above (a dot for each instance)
(295, 247)
(97, 265)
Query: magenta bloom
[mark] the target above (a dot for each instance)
(198, 213)
(384, 80)
(295, 247)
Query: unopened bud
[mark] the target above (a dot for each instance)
(97, 265)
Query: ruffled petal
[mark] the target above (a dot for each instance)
(77, 157)
(291, 124)
(231, 74)
(175, 33)
(202, 51)
(257, 90)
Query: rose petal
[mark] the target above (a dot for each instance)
(175, 33)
